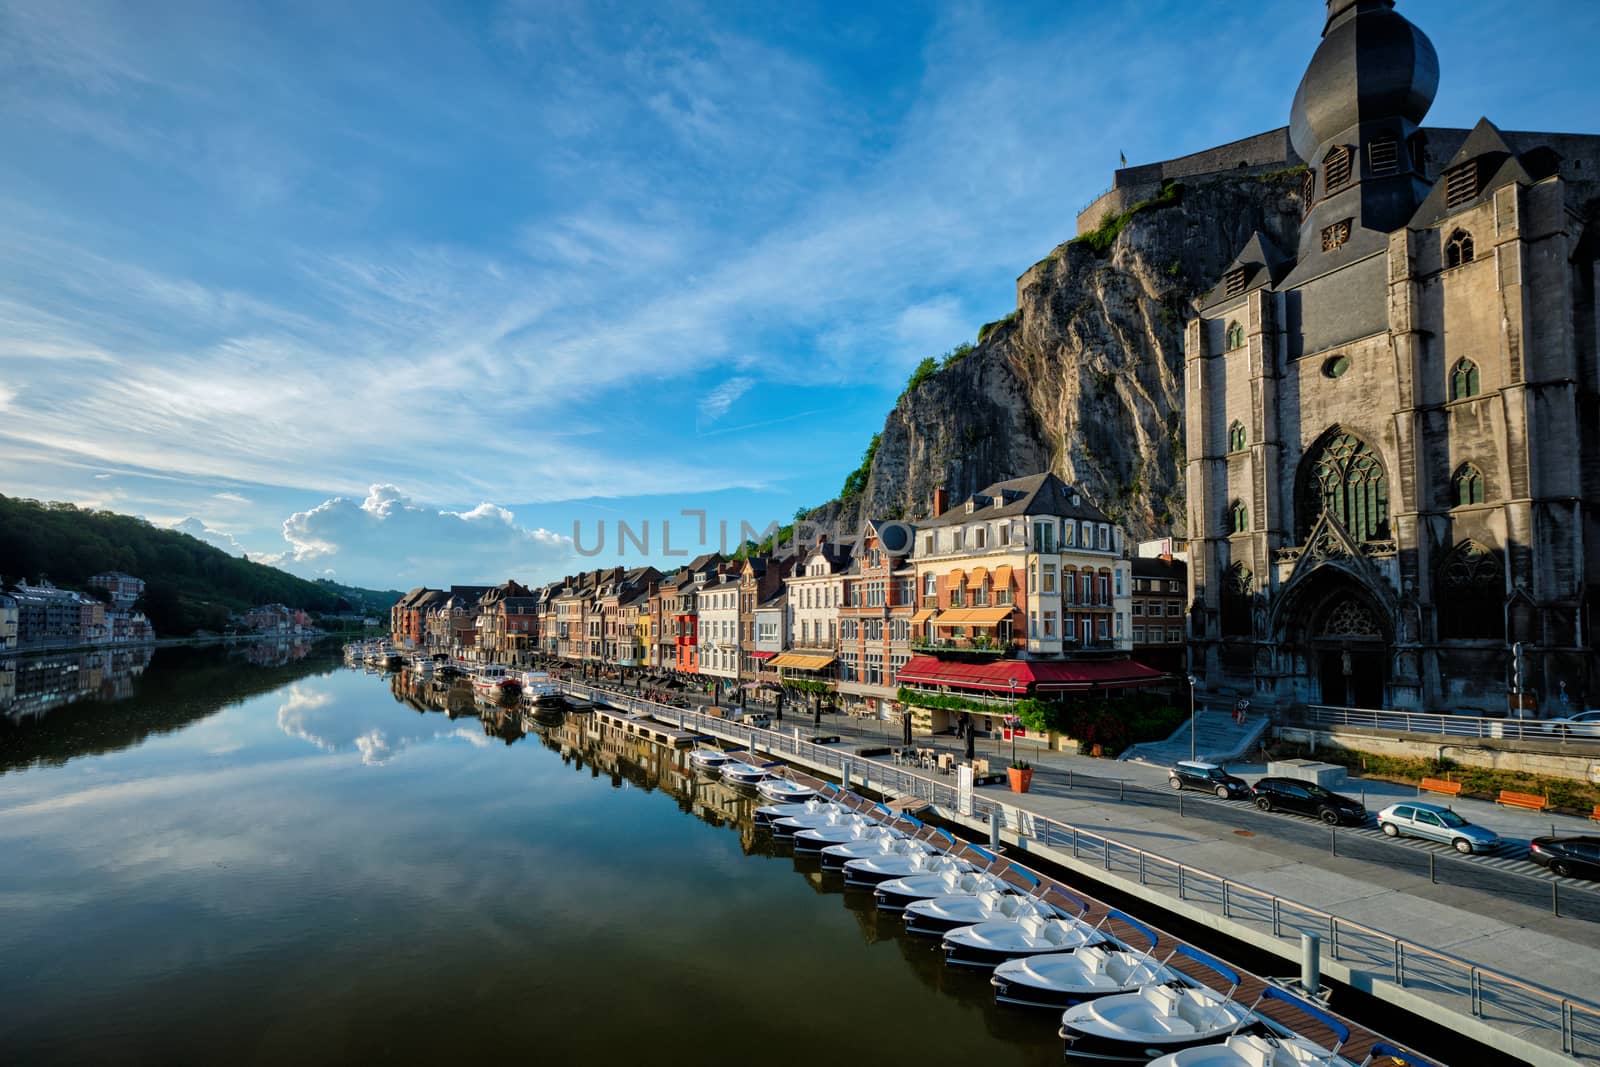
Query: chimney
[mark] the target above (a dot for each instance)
(941, 501)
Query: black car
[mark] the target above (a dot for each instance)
(1198, 774)
(1567, 856)
(1307, 798)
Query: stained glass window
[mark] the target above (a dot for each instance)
(1235, 336)
(1344, 476)
(1471, 593)
(1464, 380)
(1468, 485)
(1236, 437)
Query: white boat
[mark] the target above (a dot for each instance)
(784, 791)
(422, 665)
(1145, 1025)
(934, 918)
(945, 876)
(859, 828)
(891, 843)
(876, 871)
(825, 815)
(709, 760)
(540, 690)
(1281, 1047)
(746, 774)
(771, 813)
(1045, 930)
(1060, 980)
(492, 682)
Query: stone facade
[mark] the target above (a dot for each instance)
(1392, 429)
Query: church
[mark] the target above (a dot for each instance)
(1393, 428)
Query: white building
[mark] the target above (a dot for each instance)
(718, 608)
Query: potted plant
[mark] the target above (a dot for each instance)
(1020, 772)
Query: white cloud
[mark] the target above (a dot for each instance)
(387, 539)
(717, 402)
(199, 530)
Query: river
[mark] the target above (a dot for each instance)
(256, 859)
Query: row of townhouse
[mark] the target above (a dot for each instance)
(41, 616)
(1023, 589)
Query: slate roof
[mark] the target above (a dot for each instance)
(1037, 494)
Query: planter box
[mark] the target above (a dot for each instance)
(1020, 779)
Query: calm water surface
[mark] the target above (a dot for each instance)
(298, 863)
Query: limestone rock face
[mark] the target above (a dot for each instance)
(1086, 378)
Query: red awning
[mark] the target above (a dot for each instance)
(1041, 676)
(762, 655)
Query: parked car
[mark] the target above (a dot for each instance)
(1308, 798)
(1436, 823)
(1579, 724)
(1198, 774)
(1567, 856)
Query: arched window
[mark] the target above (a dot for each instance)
(1471, 595)
(1340, 474)
(1238, 585)
(1467, 485)
(1238, 518)
(1458, 249)
(1236, 437)
(1463, 380)
(1235, 335)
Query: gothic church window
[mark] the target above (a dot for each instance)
(1336, 168)
(1341, 475)
(1237, 586)
(1464, 380)
(1471, 595)
(1236, 437)
(1467, 485)
(1458, 249)
(1235, 335)
(1238, 518)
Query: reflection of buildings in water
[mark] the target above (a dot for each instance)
(34, 685)
(275, 653)
(503, 722)
(423, 693)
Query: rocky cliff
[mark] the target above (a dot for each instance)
(1085, 377)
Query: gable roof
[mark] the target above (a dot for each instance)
(1036, 494)
(1262, 261)
(1498, 166)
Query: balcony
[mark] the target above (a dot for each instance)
(962, 646)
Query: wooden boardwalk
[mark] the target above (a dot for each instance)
(1356, 1048)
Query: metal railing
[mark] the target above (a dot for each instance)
(1439, 725)
(1497, 999)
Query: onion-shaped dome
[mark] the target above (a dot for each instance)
(1372, 63)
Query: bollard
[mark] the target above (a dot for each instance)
(1311, 963)
(1180, 806)
(1433, 877)
(844, 774)
(1122, 788)
(1555, 899)
(1333, 841)
(994, 830)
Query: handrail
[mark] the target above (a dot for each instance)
(1479, 981)
(1447, 725)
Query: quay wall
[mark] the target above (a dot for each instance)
(1488, 755)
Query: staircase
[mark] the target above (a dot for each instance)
(1217, 738)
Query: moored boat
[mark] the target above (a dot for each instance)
(1060, 980)
(708, 760)
(1281, 1046)
(784, 791)
(1141, 1026)
(540, 690)
(857, 828)
(768, 814)
(828, 815)
(896, 894)
(889, 844)
(936, 917)
(737, 772)
(494, 682)
(1047, 928)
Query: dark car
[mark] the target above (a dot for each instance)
(1567, 856)
(1198, 774)
(1307, 798)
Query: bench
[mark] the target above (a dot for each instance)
(1531, 801)
(1439, 785)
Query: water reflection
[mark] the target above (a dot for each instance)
(60, 706)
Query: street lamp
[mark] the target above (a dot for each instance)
(1193, 681)
(1012, 682)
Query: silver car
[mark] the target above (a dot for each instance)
(1436, 823)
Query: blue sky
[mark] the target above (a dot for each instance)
(398, 292)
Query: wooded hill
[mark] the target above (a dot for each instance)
(189, 585)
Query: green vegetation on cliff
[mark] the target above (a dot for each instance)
(189, 585)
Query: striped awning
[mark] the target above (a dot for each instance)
(973, 616)
(923, 616)
(976, 576)
(1002, 577)
(954, 579)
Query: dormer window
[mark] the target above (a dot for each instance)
(1336, 169)
(1458, 249)
(1461, 184)
(1308, 191)
(1383, 156)
(1233, 282)
(1235, 335)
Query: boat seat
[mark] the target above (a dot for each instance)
(1253, 1051)
(1094, 959)
(1195, 1013)
(1117, 967)
(1164, 999)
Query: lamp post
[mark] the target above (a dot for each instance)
(1193, 681)
(1012, 682)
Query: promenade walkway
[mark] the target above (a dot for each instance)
(1481, 911)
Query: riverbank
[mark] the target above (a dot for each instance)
(169, 642)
